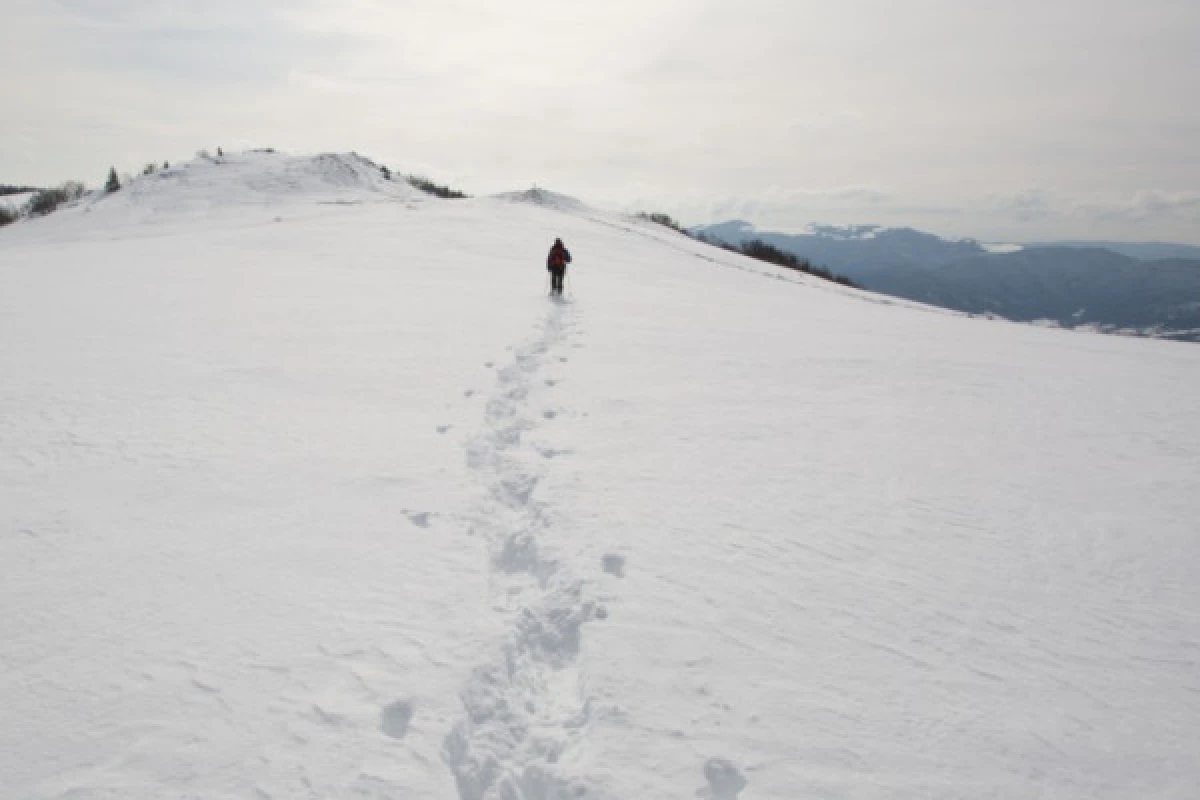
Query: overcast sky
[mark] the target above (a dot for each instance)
(1006, 121)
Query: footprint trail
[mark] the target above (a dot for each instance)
(527, 708)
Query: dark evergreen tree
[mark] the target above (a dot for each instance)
(113, 183)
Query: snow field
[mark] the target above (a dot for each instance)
(891, 554)
(314, 499)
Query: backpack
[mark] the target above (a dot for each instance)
(558, 257)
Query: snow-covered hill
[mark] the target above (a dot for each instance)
(235, 189)
(261, 177)
(303, 498)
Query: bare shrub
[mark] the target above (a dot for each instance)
(429, 187)
(661, 219)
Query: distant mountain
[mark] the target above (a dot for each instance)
(1071, 286)
(1151, 288)
(1142, 251)
(859, 251)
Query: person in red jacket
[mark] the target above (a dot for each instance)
(557, 262)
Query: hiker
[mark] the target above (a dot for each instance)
(557, 262)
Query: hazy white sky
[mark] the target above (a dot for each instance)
(1014, 120)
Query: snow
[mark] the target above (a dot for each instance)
(307, 491)
(1001, 247)
(17, 201)
(544, 198)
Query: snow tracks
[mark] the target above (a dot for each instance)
(526, 709)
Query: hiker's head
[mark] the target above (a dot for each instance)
(558, 242)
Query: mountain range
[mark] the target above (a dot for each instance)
(1145, 288)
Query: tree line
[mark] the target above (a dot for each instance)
(754, 248)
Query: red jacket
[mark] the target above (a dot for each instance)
(559, 257)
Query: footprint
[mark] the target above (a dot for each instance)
(395, 717)
(549, 414)
(469, 393)
(519, 554)
(205, 687)
(419, 518)
(725, 781)
(614, 565)
(516, 490)
(489, 364)
(563, 359)
(331, 718)
(444, 428)
(551, 382)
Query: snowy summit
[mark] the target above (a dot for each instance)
(544, 198)
(308, 491)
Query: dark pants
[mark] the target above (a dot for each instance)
(556, 279)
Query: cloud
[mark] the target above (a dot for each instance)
(1044, 205)
(1027, 205)
(1151, 205)
(776, 201)
(181, 44)
(962, 117)
(1030, 214)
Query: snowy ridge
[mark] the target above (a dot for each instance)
(260, 177)
(524, 711)
(544, 198)
(231, 184)
(235, 189)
